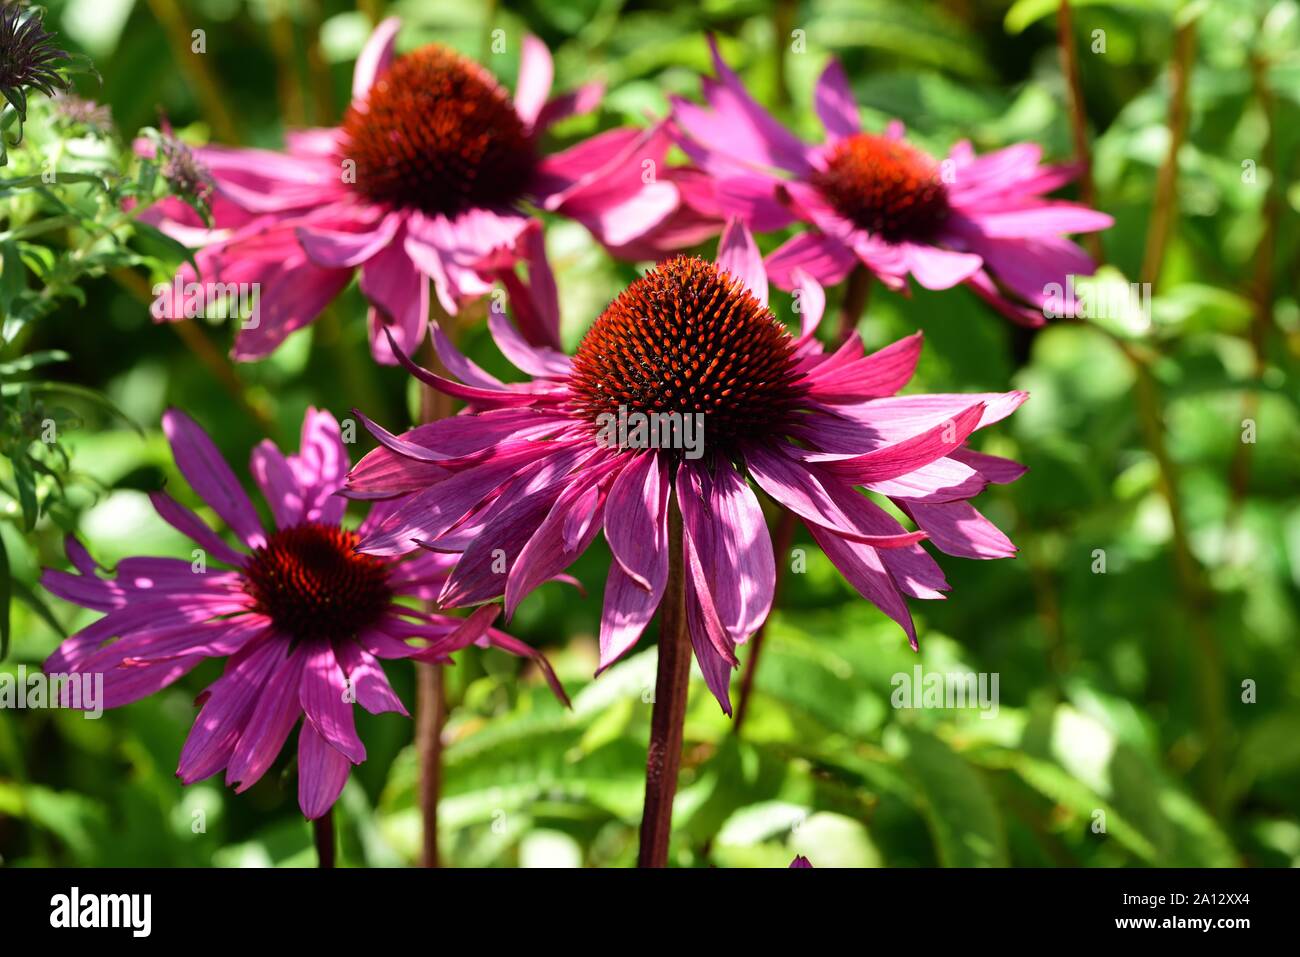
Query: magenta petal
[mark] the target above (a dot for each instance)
(375, 58)
(274, 476)
(326, 700)
(400, 295)
(936, 268)
(636, 527)
(833, 100)
(321, 467)
(636, 511)
(880, 374)
(738, 255)
(957, 528)
(862, 567)
(227, 703)
(210, 476)
(367, 680)
(536, 73)
(575, 103)
(322, 772)
(826, 259)
(730, 534)
(742, 127)
(992, 467)
(187, 523)
(1052, 219)
(810, 302)
(337, 249)
(627, 610)
(900, 458)
(274, 716)
(565, 533)
(812, 493)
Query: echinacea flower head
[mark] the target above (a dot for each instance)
(429, 179)
(27, 56)
(536, 469)
(881, 202)
(301, 619)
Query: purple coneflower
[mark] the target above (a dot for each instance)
(523, 484)
(27, 56)
(426, 179)
(879, 201)
(301, 618)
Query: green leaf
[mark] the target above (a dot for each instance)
(955, 800)
(77, 391)
(32, 360)
(25, 479)
(36, 603)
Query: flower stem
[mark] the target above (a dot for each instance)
(430, 713)
(664, 756)
(1164, 207)
(323, 830)
(430, 693)
(856, 293)
(1078, 119)
(781, 542)
(195, 68)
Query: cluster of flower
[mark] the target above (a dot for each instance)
(427, 184)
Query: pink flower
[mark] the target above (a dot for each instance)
(300, 618)
(877, 200)
(523, 483)
(425, 180)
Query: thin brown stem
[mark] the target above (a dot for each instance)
(323, 832)
(195, 67)
(672, 681)
(1165, 205)
(1078, 119)
(430, 692)
(1196, 595)
(1261, 288)
(781, 542)
(430, 715)
(856, 293)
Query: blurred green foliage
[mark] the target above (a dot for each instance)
(1159, 697)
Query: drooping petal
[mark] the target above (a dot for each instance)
(273, 717)
(322, 772)
(324, 697)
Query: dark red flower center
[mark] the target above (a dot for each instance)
(308, 580)
(885, 187)
(689, 338)
(437, 133)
